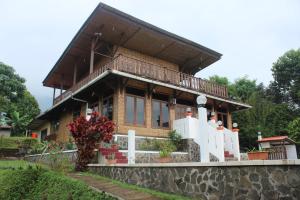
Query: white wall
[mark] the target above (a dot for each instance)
(291, 151)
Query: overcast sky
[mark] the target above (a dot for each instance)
(251, 35)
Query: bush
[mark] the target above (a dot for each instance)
(176, 139)
(38, 183)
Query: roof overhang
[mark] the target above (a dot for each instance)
(121, 29)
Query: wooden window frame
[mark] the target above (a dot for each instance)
(134, 111)
(160, 109)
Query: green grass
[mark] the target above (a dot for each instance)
(22, 180)
(161, 195)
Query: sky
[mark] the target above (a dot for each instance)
(251, 35)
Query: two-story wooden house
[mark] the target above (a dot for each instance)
(137, 74)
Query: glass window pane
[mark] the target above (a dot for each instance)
(165, 114)
(155, 114)
(140, 111)
(129, 109)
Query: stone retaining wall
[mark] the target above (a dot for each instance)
(226, 181)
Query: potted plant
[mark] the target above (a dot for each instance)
(110, 159)
(165, 150)
(257, 155)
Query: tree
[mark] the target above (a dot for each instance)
(18, 123)
(294, 129)
(87, 133)
(11, 84)
(286, 74)
(15, 100)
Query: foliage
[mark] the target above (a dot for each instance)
(15, 100)
(294, 129)
(166, 148)
(286, 74)
(87, 133)
(176, 139)
(265, 115)
(34, 182)
(58, 161)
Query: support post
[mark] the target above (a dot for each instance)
(54, 89)
(131, 146)
(237, 143)
(92, 56)
(75, 74)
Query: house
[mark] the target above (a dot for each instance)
(279, 147)
(138, 75)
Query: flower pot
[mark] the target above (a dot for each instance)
(258, 155)
(165, 159)
(111, 161)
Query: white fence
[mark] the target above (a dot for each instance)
(210, 140)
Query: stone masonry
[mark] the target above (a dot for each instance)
(226, 181)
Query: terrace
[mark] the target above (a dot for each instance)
(146, 70)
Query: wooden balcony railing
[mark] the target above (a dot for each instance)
(151, 71)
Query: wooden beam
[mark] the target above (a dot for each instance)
(118, 44)
(54, 89)
(92, 56)
(131, 36)
(75, 74)
(181, 66)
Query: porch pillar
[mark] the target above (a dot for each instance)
(61, 87)
(54, 89)
(92, 56)
(75, 74)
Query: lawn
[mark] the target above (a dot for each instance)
(23, 180)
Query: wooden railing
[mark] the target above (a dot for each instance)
(277, 153)
(155, 72)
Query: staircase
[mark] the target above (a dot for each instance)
(109, 152)
(229, 157)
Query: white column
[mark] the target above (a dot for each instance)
(220, 145)
(236, 144)
(203, 134)
(131, 146)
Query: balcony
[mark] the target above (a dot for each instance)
(150, 71)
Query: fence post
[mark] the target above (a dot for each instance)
(131, 146)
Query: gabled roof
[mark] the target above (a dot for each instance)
(119, 28)
(276, 139)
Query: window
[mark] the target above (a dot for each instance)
(180, 111)
(160, 114)
(107, 108)
(135, 110)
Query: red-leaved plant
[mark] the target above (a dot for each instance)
(87, 133)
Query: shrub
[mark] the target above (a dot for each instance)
(176, 139)
(38, 183)
(166, 148)
(87, 133)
